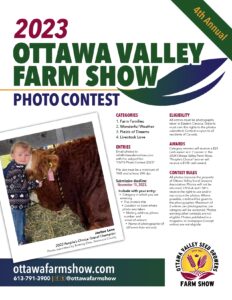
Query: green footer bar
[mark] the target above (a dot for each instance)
(83, 272)
(209, 22)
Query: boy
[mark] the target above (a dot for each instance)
(18, 186)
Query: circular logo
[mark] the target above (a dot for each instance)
(196, 261)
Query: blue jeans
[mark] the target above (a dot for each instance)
(19, 217)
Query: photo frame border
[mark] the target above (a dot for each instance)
(71, 242)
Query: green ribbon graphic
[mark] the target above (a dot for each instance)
(209, 22)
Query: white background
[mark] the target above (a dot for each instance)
(133, 21)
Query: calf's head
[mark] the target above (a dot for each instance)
(41, 162)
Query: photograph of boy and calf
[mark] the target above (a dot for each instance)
(58, 188)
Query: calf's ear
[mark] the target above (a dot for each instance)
(48, 161)
(53, 161)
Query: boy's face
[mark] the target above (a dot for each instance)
(21, 155)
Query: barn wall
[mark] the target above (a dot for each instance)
(56, 136)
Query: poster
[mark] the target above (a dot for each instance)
(150, 82)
